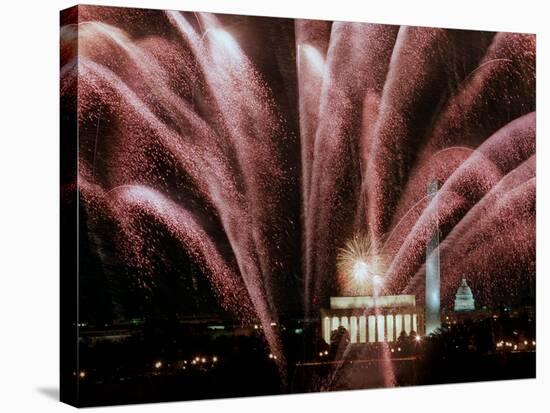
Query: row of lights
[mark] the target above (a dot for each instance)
(202, 360)
(259, 327)
(197, 360)
(158, 364)
(503, 343)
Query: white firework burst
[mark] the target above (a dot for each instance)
(361, 267)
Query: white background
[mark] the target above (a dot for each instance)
(29, 204)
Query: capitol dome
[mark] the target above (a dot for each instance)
(464, 299)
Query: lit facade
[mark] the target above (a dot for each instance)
(464, 299)
(371, 319)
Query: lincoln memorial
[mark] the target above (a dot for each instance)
(370, 319)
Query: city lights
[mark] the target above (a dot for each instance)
(202, 360)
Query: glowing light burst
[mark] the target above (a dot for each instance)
(313, 58)
(361, 267)
(360, 271)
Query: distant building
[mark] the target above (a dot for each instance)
(371, 319)
(464, 299)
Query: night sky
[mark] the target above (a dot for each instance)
(225, 161)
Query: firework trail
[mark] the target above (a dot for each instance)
(507, 149)
(356, 63)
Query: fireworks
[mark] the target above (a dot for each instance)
(189, 129)
(361, 267)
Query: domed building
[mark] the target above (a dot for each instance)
(464, 299)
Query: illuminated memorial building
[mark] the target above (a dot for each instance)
(371, 319)
(383, 318)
